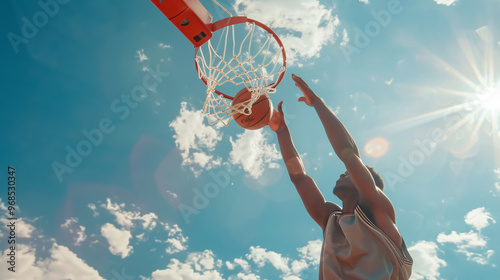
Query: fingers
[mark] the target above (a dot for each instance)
(300, 83)
(302, 99)
(297, 79)
(280, 107)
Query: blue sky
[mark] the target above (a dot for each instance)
(112, 187)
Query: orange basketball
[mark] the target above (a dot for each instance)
(262, 111)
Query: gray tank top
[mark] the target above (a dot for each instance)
(355, 248)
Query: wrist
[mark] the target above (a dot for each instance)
(317, 101)
(281, 128)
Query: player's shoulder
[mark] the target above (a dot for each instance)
(332, 207)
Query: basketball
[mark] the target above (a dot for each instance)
(262, 111)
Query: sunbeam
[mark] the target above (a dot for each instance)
(425, 118)
(440, 63)
(474, 103)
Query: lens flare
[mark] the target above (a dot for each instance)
(376, 147)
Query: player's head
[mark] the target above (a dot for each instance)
(344, 186)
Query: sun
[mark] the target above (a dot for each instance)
(489, 99)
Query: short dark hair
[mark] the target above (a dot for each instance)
(376, 177)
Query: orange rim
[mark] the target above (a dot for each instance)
(238, 20)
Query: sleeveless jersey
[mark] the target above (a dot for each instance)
(355, 248)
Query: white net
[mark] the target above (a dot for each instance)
(245, 55)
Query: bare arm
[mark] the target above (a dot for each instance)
(311, 196)
(339, 137)
(370, 196)
(347, 151)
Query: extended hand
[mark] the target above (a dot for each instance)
(309, 96)
(278, 118)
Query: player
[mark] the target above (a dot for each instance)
(360, 239)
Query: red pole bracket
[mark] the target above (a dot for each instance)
(190, 17)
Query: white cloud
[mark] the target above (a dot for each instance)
(173, 230)
(479, 218)
(23, 228)
(426, 262)
(311, 252)
(202, 261)
(497, 171)
(164, 46)
(177, 241)
(252, 151)
(175, 245)
(61, 264)
(140, 237)
(364, 1)
(172, 194)
(2, 205)
(118, 240)
(309, 256)
(446, 2)
(303, 34)
(195, 140)
(290, 269)
(30, 268)
(198, 266)
(127, 218)
(464, 240)
(260, 256)
(238, 262)
(205, 265)
(93, 208)
(291, 277)
(345, 38)
(471, 244)
(78, 231)
(141, 55)
(65, 264)
(243, 276)
(148, 221)
(298, 266)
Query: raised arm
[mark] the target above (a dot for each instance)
(345, 148)
(311, 196)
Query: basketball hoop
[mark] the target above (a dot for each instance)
(249, 54)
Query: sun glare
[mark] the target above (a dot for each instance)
(489, 99)
(479, 93)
